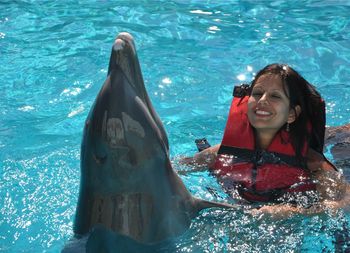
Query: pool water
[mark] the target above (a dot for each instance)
(54, 58)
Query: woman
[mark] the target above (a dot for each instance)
(273, 142)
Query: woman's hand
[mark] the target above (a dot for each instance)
(330, 185)
(205, 158)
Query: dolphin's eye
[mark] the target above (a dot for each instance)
(98, 151)
(100, 159)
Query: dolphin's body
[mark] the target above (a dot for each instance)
(128, 185)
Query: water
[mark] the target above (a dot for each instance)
(54, 56)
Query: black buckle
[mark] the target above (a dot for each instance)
(202, 144)
(242, 90)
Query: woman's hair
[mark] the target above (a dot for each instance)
(302, 93)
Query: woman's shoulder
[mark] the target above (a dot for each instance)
(330, 183)
(317, 162)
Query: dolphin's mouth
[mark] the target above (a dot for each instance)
(125, 53)
(124, 36)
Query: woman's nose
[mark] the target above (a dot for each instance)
(263, 99)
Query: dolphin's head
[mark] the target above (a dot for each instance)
(122, 130)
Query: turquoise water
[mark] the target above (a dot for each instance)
(54, 56)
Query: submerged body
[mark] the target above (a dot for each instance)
(128, 186)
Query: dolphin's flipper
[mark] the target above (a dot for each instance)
(128, 185)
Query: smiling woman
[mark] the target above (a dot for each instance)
(272, 147)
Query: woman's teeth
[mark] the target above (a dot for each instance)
(259, 112)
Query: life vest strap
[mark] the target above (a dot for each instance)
(242, 90)
(259, 156)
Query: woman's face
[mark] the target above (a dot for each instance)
(268, 105)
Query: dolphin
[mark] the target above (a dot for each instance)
(128, 185)
(339, 138)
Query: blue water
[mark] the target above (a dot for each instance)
(53, 61)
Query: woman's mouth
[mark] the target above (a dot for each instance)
(262, 113)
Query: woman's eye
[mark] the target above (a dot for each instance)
(276, 96)
(256, 94)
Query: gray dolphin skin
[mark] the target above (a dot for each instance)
(128, 185)
(339, 137)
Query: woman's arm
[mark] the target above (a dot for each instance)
(202, 160)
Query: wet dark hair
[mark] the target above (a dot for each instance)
(304, 94)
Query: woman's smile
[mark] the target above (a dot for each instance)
(262, 113)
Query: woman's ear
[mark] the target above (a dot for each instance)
(294, 114)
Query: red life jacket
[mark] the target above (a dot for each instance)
(259, 175)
